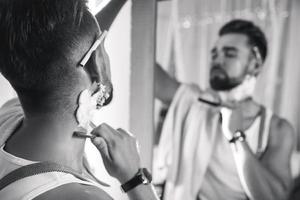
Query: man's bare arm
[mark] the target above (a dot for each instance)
(75, 191)
(165, 86)
(108, 14)
(79, 192)
(270, 177)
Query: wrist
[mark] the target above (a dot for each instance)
(124, 177)
(141, 177)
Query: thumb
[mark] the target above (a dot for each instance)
(101, 145)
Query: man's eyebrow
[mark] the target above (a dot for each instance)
(229, 48)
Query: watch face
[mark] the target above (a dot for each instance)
(240, 135)
(144, 180)
(145, 176)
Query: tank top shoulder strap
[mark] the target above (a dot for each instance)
(67, 179)
(30, 181)
(33, 186)
(264, 131)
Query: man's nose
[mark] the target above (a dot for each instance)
(218, 61)
(219, 58)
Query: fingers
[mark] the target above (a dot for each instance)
(124, 133)
(107, 133)
(226, 114)
(131, 137)
(118, 149)
(101, 145)
(110, 137)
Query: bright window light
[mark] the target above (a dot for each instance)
(97, 5)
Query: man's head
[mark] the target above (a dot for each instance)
(240, 51)
(42, 43)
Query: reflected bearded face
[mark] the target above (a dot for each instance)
(220, 80)
(98, 68)
(230, 62)
(105, 75)
(96, 63)
(102, 66)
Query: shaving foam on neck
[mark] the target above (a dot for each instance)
(241, 92)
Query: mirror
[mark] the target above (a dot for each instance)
(187, 32)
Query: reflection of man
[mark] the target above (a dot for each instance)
(245, 151)
(52, 53)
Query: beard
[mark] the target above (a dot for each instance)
(220, 81)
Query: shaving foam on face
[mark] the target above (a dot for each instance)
(87, 107)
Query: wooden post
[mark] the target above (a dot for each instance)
(142, 74)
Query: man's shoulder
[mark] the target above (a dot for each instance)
(189, 89)
(281, 131)
(75, 191)
(280, 124)
(11, 108)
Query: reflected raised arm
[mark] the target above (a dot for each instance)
(165, 85)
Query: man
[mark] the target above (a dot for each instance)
(53, 56)
(220, 143)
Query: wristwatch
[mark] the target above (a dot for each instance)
(143, 176)
(238, 136)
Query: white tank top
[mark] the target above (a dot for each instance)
(33, 186)
(221, 180)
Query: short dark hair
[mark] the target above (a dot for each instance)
(37, 40)
(254, 33)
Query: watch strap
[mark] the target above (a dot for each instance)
(141, 177)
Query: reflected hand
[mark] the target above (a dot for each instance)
(119, 151)
(236, 121)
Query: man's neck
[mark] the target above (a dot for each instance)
(249, 107)
(48, 137)
(245, 113)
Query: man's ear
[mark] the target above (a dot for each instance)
(255, 67)
(258, 62)
(93, 69)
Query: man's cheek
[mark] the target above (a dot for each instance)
(234, 69)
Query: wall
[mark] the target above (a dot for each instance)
(6, 91)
